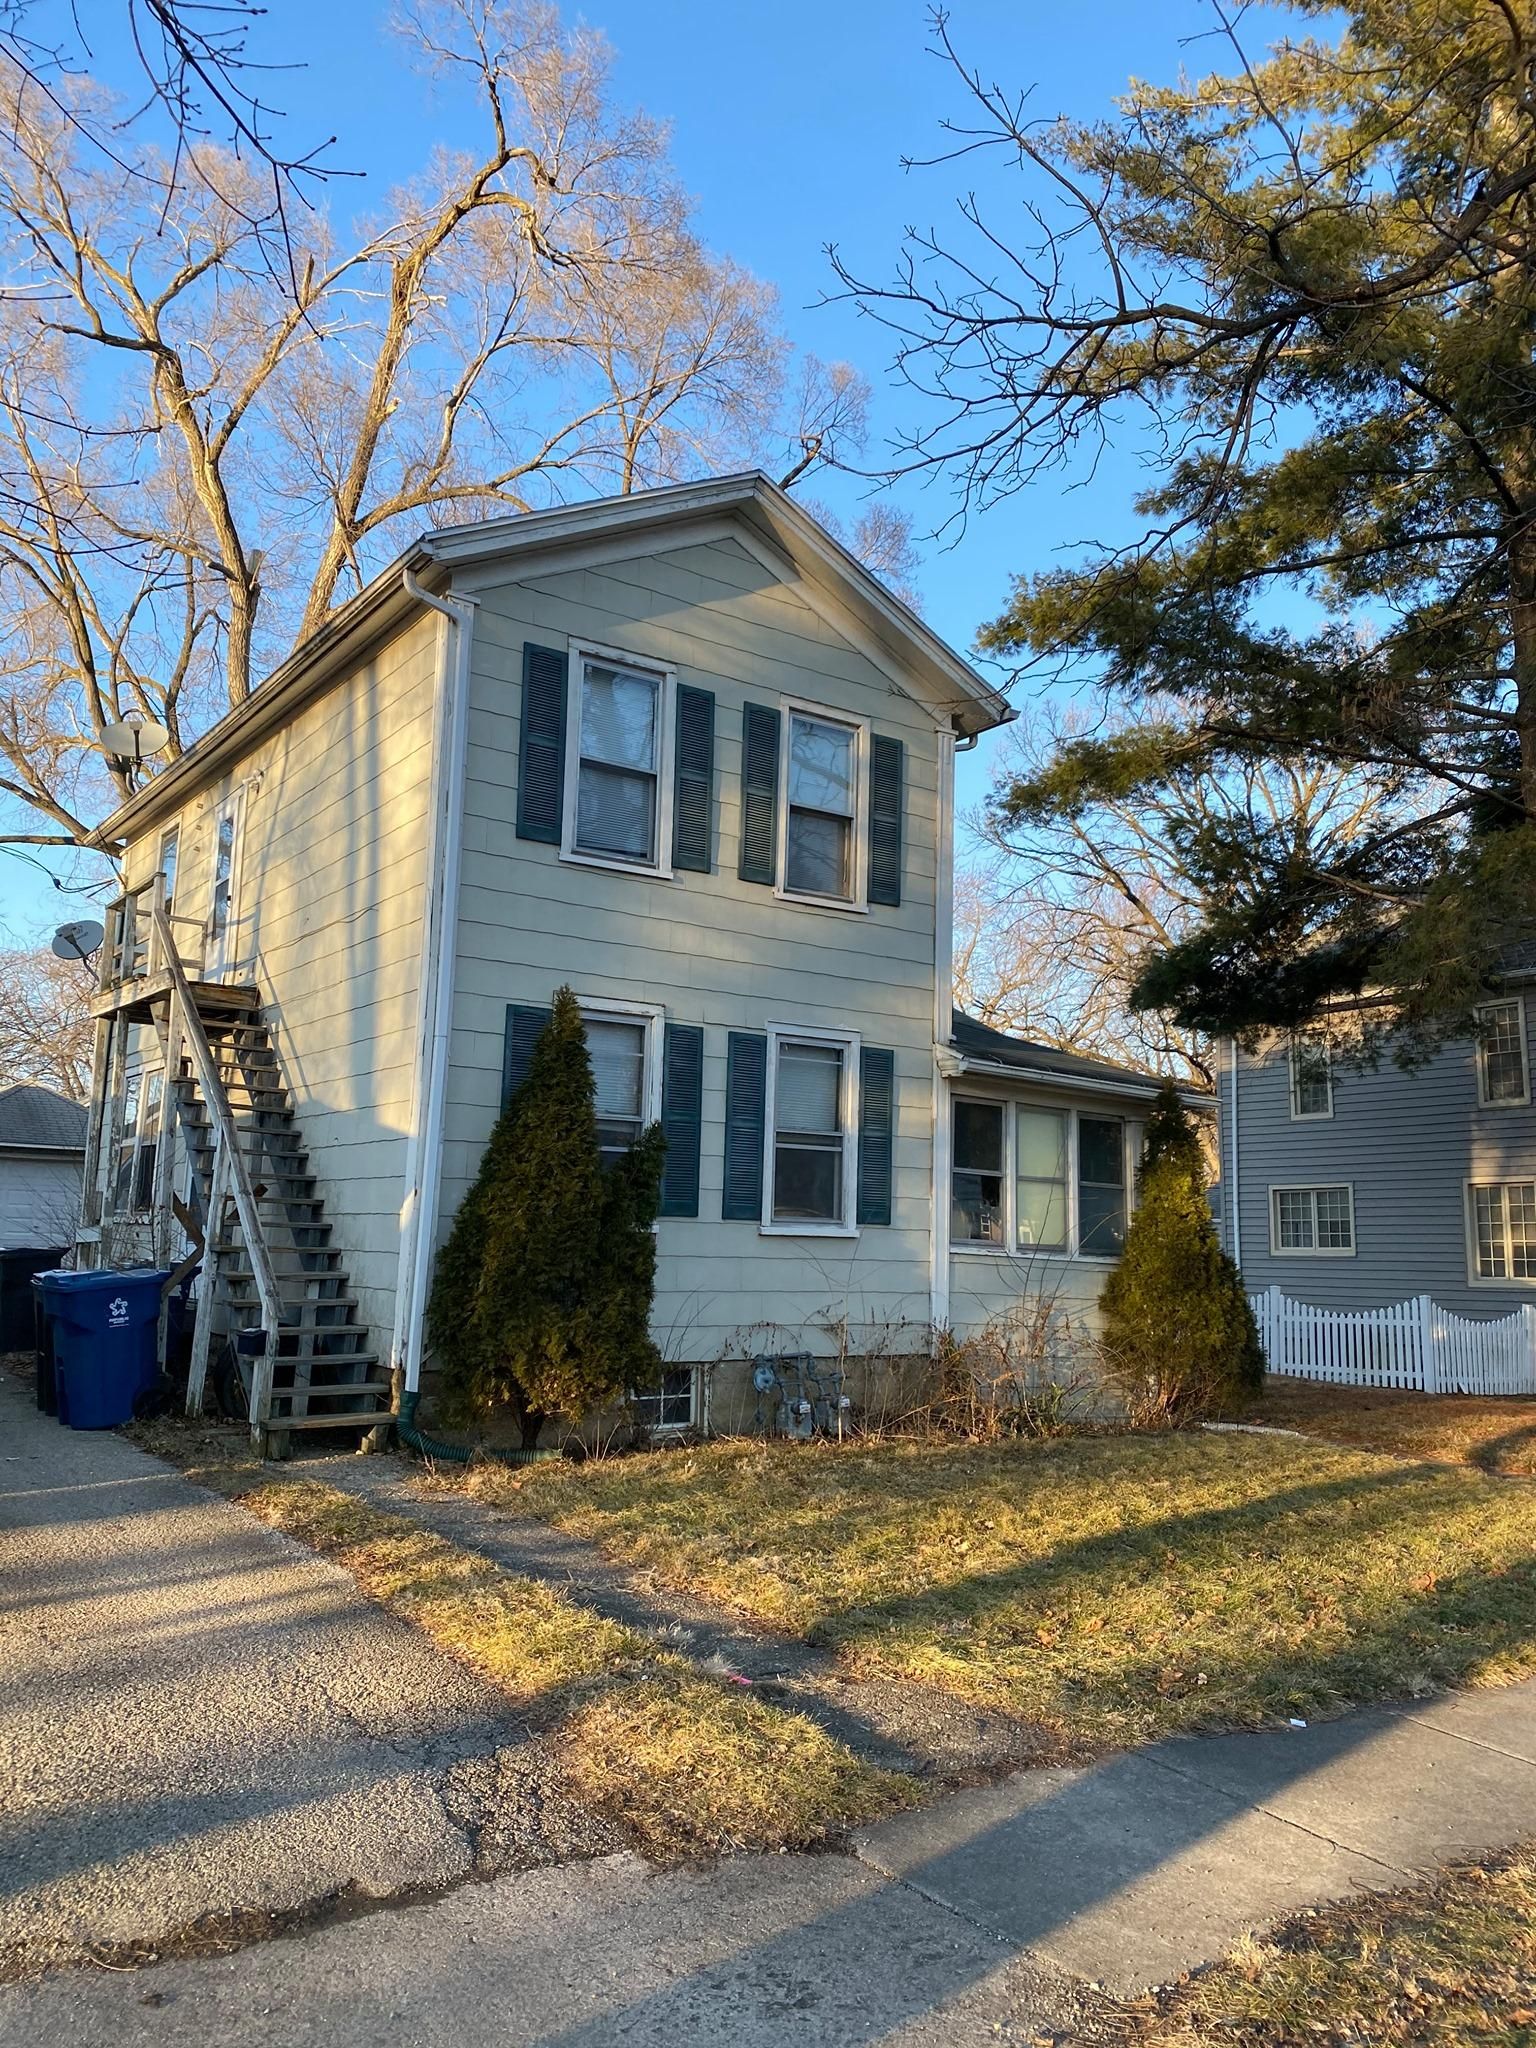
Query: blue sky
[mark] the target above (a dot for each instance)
(788, 125)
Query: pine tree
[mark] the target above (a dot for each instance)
(542, 1296)
(1179, 1336)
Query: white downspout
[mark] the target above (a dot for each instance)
(1237, 1187)
(943, 1027)
(439, 949)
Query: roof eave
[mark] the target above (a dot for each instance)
(1129, 1085)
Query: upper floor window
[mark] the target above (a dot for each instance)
(824, 801)
(1038, 1179)
(1312, 1219)
(1503, 1216)
(811, 1130)
(1502, 1072)
(1311, 1079)
(618, 762)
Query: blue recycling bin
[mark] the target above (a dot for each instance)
(105, 1328)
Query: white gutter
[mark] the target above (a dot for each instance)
(943, 1030)
(1237, 1224)
(439, 949)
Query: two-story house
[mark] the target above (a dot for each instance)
(1356, 1185)
(682, 752)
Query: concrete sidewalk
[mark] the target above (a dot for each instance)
(196, 1715)
(199, 1716)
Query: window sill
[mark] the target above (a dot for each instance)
(1511, 1102)
(1310, 1252)
(1311, 1116)
(646, 871)
(1025, 1253)
(807, 1230)
(835, 903)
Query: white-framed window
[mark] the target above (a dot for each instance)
(618, 761)
(138, 1143)
(624, 1046)
(811, 1132)
(1503, 1070)
(1027, 1177)
(170, 845)
(1318, 1220)
(1501, 1221)
(670, 1403)
(1311, 1080)
(823, 807)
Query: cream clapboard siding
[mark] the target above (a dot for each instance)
(985, 1287)
(712, 949)
(328, 926)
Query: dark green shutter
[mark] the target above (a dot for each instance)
(682, 1113)
(746, 1099)
(885, 799)
(524, 1023)
(693, 800)
(541, 745)
(759, 794)
(877, 1131)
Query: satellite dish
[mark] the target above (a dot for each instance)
(78, 941)
(134, 739)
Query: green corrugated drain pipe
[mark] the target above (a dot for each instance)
(453, 1454)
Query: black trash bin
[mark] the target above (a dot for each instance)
(17, 1265)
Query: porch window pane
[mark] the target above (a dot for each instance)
(1100, 1185)
(1041, 1139)
(977, 1205)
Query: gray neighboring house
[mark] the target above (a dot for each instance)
(42, 1160)
(1355, 1187)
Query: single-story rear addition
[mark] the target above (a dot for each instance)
(680, 751)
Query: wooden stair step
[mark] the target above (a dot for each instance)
(350, 1419)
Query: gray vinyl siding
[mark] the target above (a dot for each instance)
(1408, 1143)
(709, 948)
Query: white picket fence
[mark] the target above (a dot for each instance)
(1414, 1344)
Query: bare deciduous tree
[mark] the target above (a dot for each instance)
(198, 459)
(1053, 921)
(47, 1034)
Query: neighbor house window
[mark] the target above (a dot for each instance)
(1502, 1075)
(810, 1178)
(1312, 1219)
(621, 1044)
(1033, 1179)
(669, 1404)
(1311, 1079)
(1504, 1230)
(978, 1216)
(1101, 1203)
(823, 802)
(618, 750)
(1041, 1168)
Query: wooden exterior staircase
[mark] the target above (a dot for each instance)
(273, 1284)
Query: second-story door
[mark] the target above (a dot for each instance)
(223, 902)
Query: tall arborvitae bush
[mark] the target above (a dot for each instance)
(541, 1301)
(1179, 1337)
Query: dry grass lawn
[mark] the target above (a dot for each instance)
(686, 1762)
(1494, 1433)
(1451, 1964)
(1112, 1589)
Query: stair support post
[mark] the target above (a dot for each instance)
(240, 1185)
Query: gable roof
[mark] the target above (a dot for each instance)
(768, 518)
(37, 1119)
(983, 1050)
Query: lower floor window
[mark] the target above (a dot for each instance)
(133, 1175)
(1039, 1179)
(1313, 1219)
(1504, 1229)
(811, 1113)
(668, 1405)
(616, 1046)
